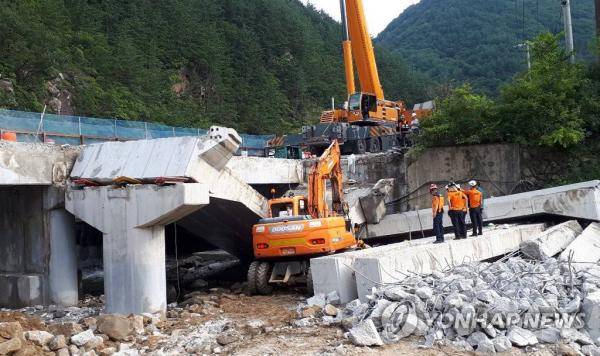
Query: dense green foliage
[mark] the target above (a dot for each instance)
(261, 66)
(457, 41)
(555, 107)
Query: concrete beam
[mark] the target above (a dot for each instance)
(132, 220)
(260, 170)
(551, 241)
(578, 201)
(584, 251)
(353, 274)
(35, 164)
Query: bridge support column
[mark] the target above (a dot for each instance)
(132, 220)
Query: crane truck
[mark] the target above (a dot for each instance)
(367, 122)
(299, 228)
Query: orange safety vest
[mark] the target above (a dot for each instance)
(457, 201)
(437, 204)
(475, 198)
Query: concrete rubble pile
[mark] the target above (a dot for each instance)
(517, 301)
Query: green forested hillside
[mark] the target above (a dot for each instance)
(261, 66)
(474, 40)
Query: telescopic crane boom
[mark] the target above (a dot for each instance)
(367, 107)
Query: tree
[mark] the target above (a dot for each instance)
(462, 118)
(544, 106)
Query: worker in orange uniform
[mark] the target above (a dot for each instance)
(437, 209)
(457, 201)
(475, 208)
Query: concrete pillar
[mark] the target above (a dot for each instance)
(63, 258)
(132, 221)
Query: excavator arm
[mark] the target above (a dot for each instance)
(327, 168)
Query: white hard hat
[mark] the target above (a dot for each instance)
(414, 114)
(457, 185)
(472, 183)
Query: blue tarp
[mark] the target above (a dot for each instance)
(63, 129)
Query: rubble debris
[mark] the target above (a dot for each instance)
(116, 327)
(488, 307)
(365, 334)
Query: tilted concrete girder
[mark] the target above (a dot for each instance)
(578, 201)
(132, 219)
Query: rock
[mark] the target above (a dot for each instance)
(462, 345)
(9, 346)
(7, 86)
(330, 310)
(548, 335)
(62, 352)
(226, 339)
(572, 335)
(476, 338)
(396, 294)
(487, 295)
(107, 351)
(90, 323)
(67, 329)
(590, 350)
(591, 309)
(365, 334)
(38, 337)
(95, 343)
(486, 347)
(82, 338)
(333, 298)
(502, 344)
(318, 300)
(424, 293)
(378, 310)
(57, 342)
(73, 350)
(521, 337)
(117, 327)
(311, 311)
(137, 322)
(9, 330)
(566, 350)
(573, 306)
(303, 323)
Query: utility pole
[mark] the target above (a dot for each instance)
(597, 42)
(597, 17)
(566, 8)
(527, 48)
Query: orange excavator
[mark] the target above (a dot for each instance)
(299, 228)
(367, 122)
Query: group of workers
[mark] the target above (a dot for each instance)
(459, 203)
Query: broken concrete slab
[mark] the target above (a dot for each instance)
(584, 251)
(591, 311)
(35, 163)
(261, 170)
(198, 158)
(372, 206)
(579, 201)
(235, 206)
(551, 241)
(354, 274)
